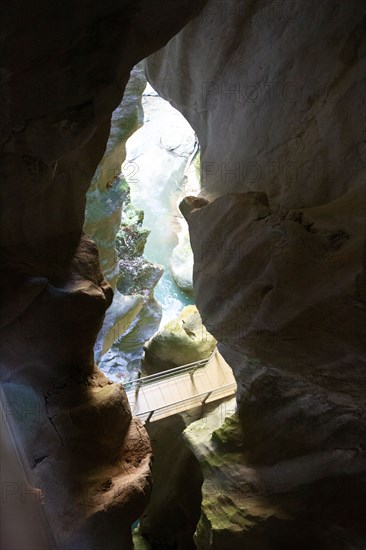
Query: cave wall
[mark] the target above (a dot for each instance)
(170, 519)
(277, 236)
(282, 85)
(64, 67)
(275, 93)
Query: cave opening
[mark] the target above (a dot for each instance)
(151, 163)
(275, 91)
(152, 324)
(161, 167)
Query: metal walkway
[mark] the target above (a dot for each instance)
(181, 389)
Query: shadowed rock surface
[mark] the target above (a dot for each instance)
(278, 235)
(275, 94)
(64, 68)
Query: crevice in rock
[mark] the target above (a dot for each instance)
(50, 418)
(171, 517)
(38, 460)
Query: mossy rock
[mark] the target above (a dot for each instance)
(138, 276)
(228, 437)
(181, 341)
(108, 190)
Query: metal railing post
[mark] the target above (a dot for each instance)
(169, 373)
(204, 401)
(206, 397)
(149, 417)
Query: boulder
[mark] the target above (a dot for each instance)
(180, 342)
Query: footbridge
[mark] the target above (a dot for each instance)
(180, 389)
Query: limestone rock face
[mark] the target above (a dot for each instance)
(105, 197)
(181, 263)
(136, 282)
(288, 504)
(278, 236)
(288, 281)
(63, 71)
(274, 99)
(75, 426)
(180, 342)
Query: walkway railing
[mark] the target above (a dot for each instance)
(180, 389)
(157, 377)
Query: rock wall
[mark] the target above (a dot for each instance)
(281, 85)
(138, 312)
(64, 67)
(170, 519)
(274, 92)
(105, 197)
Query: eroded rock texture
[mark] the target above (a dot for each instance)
(106, 195)
(63, 70)
(278, 236)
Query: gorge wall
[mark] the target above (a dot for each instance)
(64, 67)
(274, 92)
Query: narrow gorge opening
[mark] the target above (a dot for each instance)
(161, 167)
(152, 325)
(151, 164)
(132, 213)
